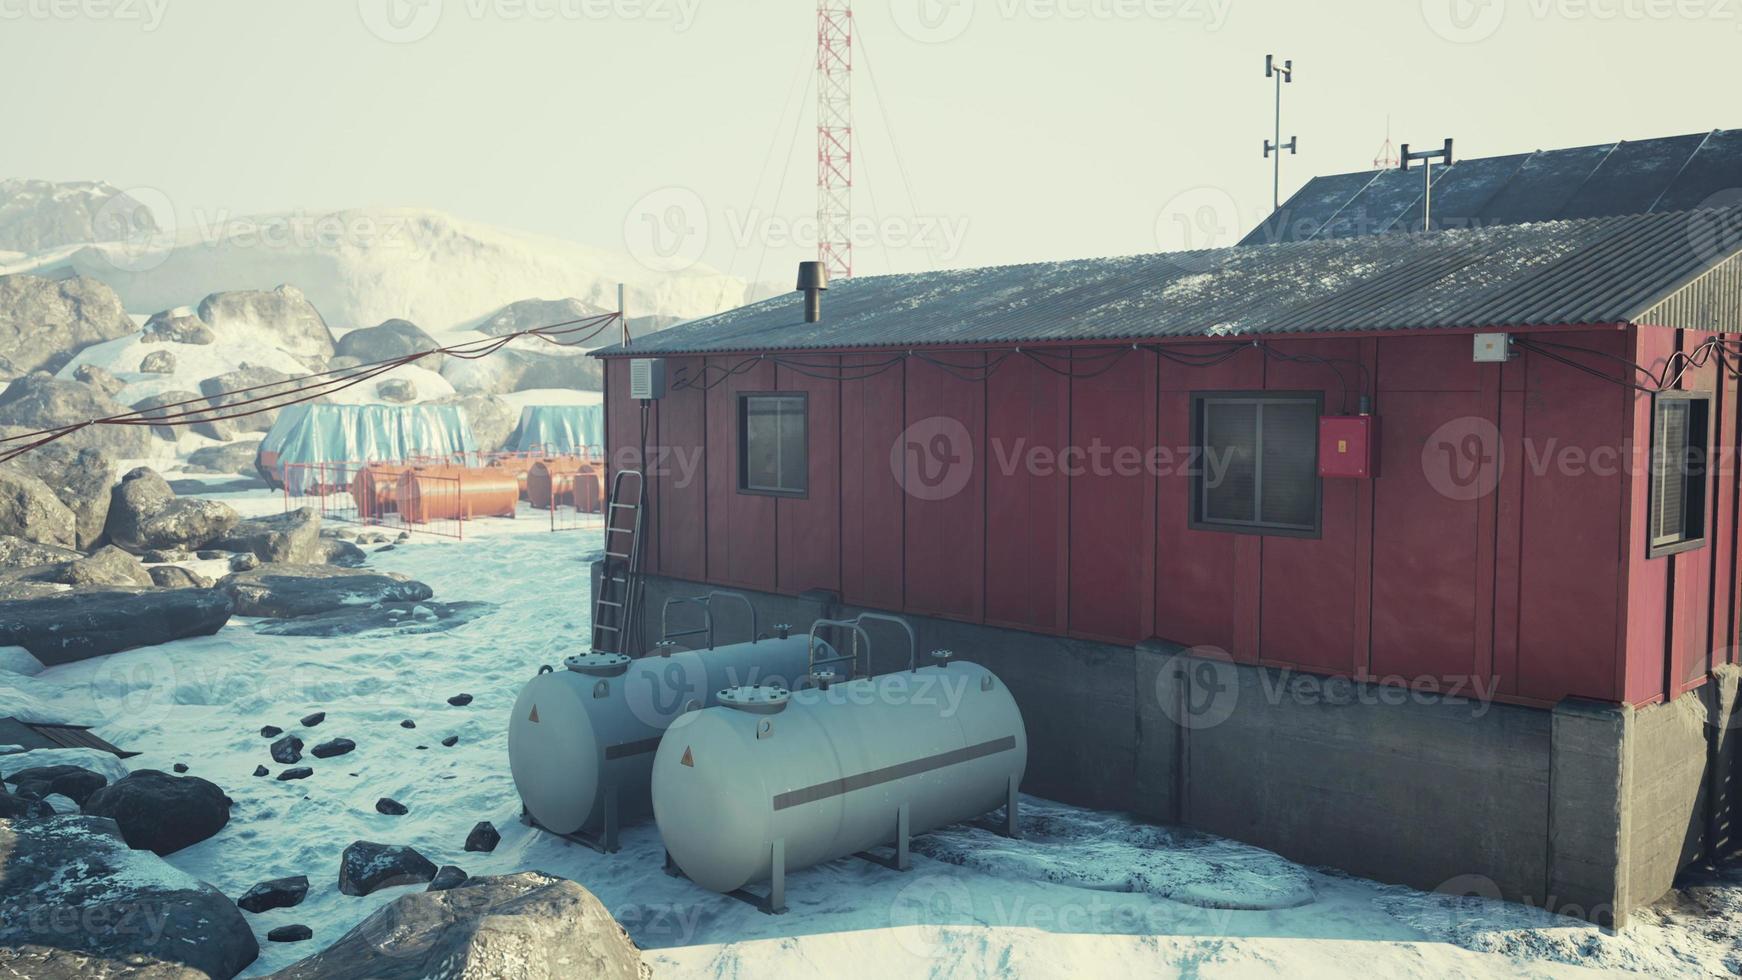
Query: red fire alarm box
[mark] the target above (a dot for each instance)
(1346, 446)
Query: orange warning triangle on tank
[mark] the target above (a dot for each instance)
(534, 716)
(688, 760)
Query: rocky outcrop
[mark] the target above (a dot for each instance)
(282, 317)
(161, 813)
(191, 412)
(291, 538)
(528, 925)
(529, 314)
(403, 618)
(178, 326)
(134, 915)
(249, 384)
(236, 458)
(59, 627)
(38, 401)
(516, 370)
(288, 591)
(157, 362)
(108, 566)
(30, 510)
(366, 867)
(38, 215)
(100, 378)
(145, 514)
(177, 577)
(390, 340)
(44, 322)
(343, 554)
(18, 553)
(491, 417)
(397, 390)
(76, 783)
(80, 478)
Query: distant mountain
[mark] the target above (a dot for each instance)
(39, 215)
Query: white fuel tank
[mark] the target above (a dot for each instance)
(593, 725)
(825, 772)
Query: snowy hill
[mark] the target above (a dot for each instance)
(363, 266)
(39, 215)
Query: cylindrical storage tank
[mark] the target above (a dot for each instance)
(550, 482)
(446, 493)
(376, 490)
(595, 722)
(827, 770)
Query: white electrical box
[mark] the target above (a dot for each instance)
(646, 378)
(1493, 348)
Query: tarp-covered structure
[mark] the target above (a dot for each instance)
(357, 434)
(564, 429)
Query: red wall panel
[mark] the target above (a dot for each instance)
(872, 503)
(677, 469)
(1027, 496)
(1112, 570)
(810, 527)
(943, 450)
(741, 526)
(623, 434)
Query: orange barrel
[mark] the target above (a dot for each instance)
(520, 466)
(446, 493)
(550, 481)
(376, 489)
(589, 489)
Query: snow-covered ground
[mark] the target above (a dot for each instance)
(1085, 894)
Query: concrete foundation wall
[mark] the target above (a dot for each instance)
(1588, 810)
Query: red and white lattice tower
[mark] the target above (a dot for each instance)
(835, 137)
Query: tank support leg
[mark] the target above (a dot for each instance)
(1012, 828)
(608, 837)
(671, 867)
(900, 860)
(777, 881)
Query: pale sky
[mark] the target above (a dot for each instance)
(1029, 129)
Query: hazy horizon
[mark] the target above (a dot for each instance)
(1026, 129)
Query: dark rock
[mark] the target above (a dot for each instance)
(310, 721)
(279, 893)
(19, 553)
(530, 314)
(293, 538)
(144, 513)
(244, 563)
(448, 877)
(408, 723)
(107, 566)
(388, 341)
(404, 618)
(460, 700)
(100, 378)
(68, 626)
(542, 925)
(342, 554)
(451, 741)
(178, 326)
(73, 782)
(206, 554)
(162, 813)
(299, 772)
(40, 401)
(157, 362)
(287, 591)
(80, 478)
(241, 389)
(22, 808)
(29, 510)
(236, 458)
(390, 807)
(262, 771)
(483, 837)
(177, 577)
(287, 750)
(366, 867)
(116, 912)
(333, 748)
(285, 313)
(45, 321)
(271, 731)
(189, 413)
(294, 933)
(398, 390)
(165, 555)
(180, 767)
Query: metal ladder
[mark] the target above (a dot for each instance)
(615, 605)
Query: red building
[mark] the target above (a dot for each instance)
(1491, 464)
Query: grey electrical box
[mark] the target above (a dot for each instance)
(1493, 348)
(647, 378)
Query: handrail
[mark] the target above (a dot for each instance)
(856, 625)
(707, 604)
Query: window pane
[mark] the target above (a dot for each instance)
(1289, 476)
(1230, 461)
(793, 451)
(1668, 458)
(761, 444)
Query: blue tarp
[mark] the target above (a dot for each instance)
(363, 434)
(559, 428)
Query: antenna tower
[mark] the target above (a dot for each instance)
(835, 137)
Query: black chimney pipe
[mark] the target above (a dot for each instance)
(813, 279)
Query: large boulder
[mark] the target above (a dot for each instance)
(106, 566)
(145, 514)
(177, 577)
(491, 417)
(159, 812)
(40, 401)
(291, 538)
(387, 341)
(177, 405)
(178, 326)
(30, 510)
(530, 314)
(400, 390)
(77, 902)
(76, 783)
(19, 553)
(509, 371)
(81, 478)
(236, 458)
(528, 925)
(59, 627)
(44, 322)
(250, 390)
(281, 317)
(289, 591)
(157, 362)
(100, 378)
(367, 867)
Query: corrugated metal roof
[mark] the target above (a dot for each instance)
(1595, 271)
(1675, 173)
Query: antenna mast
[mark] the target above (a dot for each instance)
(835, 137)
(1283, 74)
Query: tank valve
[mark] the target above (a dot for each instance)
(756, 700)
(782, 630)
(665, 648)
(943, 657)
(823, 679)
